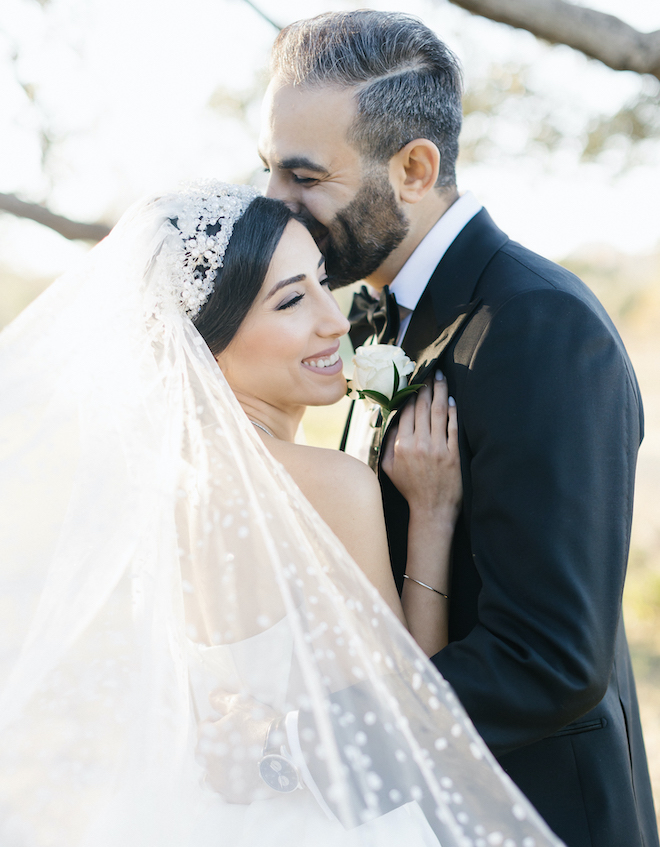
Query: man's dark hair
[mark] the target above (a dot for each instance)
(237, 283)
(408, 82)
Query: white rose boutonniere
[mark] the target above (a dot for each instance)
(381, 376)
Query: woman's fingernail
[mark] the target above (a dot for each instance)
(451, 401)
(439, 375)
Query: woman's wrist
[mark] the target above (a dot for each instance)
(433, 517)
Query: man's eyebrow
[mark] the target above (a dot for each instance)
(303, 162)
(294, 162)
(283, 283)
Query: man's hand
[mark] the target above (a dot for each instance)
(230, 748)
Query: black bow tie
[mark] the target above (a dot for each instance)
(371, 316)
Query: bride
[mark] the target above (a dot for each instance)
(190, 655)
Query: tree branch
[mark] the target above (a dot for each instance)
(598, 35)
(263, 15)
(66, 227)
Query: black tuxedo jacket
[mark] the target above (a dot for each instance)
(550, 421)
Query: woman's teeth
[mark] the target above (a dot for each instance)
(323, 363)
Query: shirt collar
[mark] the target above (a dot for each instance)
(409, 284)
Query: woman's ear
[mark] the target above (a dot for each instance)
(414, 170)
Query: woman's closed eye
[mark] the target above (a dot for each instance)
(288, 303)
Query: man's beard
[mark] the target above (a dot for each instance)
(363, 234)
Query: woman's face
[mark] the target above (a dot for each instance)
(286, 352)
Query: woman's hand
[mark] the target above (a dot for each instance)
(421, 458)
(421, 454)
(230, 748)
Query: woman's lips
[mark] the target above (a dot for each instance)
(325, 363)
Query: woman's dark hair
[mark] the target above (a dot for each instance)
(253, 241)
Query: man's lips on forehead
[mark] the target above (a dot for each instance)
(317, 230)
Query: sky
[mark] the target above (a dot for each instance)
(127, 91)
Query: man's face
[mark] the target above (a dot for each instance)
(350, 207)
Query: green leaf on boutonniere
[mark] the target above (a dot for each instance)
(376, 396)
(390, 405)
(401, 396)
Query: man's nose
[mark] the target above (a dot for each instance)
(278, 189)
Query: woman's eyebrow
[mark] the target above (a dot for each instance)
(290, 281)
(278, 286)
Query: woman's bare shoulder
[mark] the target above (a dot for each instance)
(346, 494)
(326, 471)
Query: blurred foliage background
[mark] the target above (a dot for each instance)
(102, 103)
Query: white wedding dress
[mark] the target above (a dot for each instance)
(152, 551)
(261, 666)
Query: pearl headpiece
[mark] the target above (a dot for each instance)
(192, 264)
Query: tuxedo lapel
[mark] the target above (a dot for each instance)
(452, 284)
(423, 327)
(448, 300)
(427, 361)
(455, 279)
(427, 358)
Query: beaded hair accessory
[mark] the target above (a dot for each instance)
(191, 266)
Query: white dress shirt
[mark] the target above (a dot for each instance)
(408, 286)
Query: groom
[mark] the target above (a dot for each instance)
(363, 117)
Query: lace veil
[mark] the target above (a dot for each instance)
(152, 552)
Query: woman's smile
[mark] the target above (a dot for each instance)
(327, 362)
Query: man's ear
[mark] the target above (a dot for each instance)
(414, 170)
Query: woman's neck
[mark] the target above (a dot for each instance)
(280, 423)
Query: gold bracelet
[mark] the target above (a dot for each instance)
(424, 585)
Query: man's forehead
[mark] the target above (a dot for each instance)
(305, 122)
(285, 96)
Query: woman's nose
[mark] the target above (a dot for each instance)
(334, 322)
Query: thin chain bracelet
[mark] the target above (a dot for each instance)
(424, 585)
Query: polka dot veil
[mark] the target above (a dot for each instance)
(167, 593)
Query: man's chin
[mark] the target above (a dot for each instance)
(343, 272)
(340, 276)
